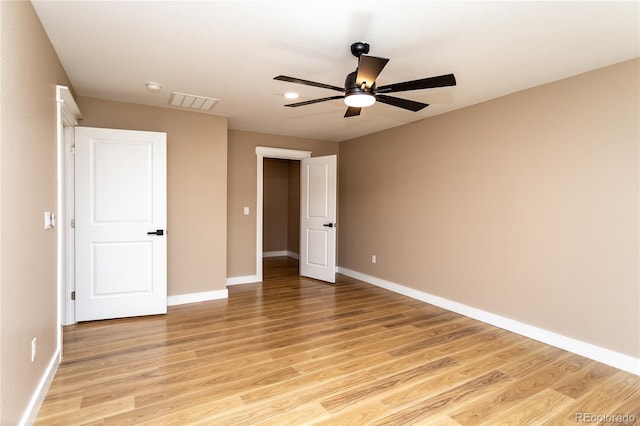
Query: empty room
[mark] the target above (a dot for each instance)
(319, 213)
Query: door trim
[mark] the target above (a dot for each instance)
(263, 152)
(68, 115)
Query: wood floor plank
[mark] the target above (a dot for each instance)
(357, 414)
(380, 386)
(535, 410)
(61, 407)
(178, 411)
(590, 403)
(292, 350)
(263, 409)
(630, 408)
(466, 371)
(584, 380)
(421, 410)
(298, 416)
(507, 397)
(94, 414)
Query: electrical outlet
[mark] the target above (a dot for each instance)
(373, 258)
(33, 349)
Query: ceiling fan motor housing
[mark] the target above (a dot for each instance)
(358, 48)
(351, 87)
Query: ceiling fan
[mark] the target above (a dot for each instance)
(360, 88)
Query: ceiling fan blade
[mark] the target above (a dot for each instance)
(402, 103)
(314, 101)
(308, 83)
(352, 112)
(369, 67)
(424, 83)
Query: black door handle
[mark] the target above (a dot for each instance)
(329, 225)
(156, 232)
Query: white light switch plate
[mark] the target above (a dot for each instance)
(48, 220)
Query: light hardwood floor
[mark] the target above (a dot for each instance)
(297, 351)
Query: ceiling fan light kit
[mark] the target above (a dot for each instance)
(359, 100)
(360, 89)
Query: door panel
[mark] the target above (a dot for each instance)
(318, 211)
(318, 180)
(122, 268)
(120, 197)
(317, 247)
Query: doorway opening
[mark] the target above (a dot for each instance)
(318, 193)
(277, 268)
(266, 154)
(281, 210)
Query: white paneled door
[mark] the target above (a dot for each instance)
(120, 223)
(318, 218)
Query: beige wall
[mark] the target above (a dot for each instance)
(293, 211)
(242, 167)
(196, 187)
(526, 206)
(29, 72)
(275, 204)
(281, 205)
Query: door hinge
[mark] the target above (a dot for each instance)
(73, 295)
(72, 150)
(73, 223)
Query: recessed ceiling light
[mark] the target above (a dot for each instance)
(153, 87)
(291, 95)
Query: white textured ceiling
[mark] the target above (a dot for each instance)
(231, 50)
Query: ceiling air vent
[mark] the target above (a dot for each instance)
(200, 103)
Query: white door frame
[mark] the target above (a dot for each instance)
(262, 153)
(70, 234)
(68, 115)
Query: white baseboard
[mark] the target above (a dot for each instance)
(247, 279)
(587, 350)
(30, 414)
(274, 253)
(281, 253)
(182, 299)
